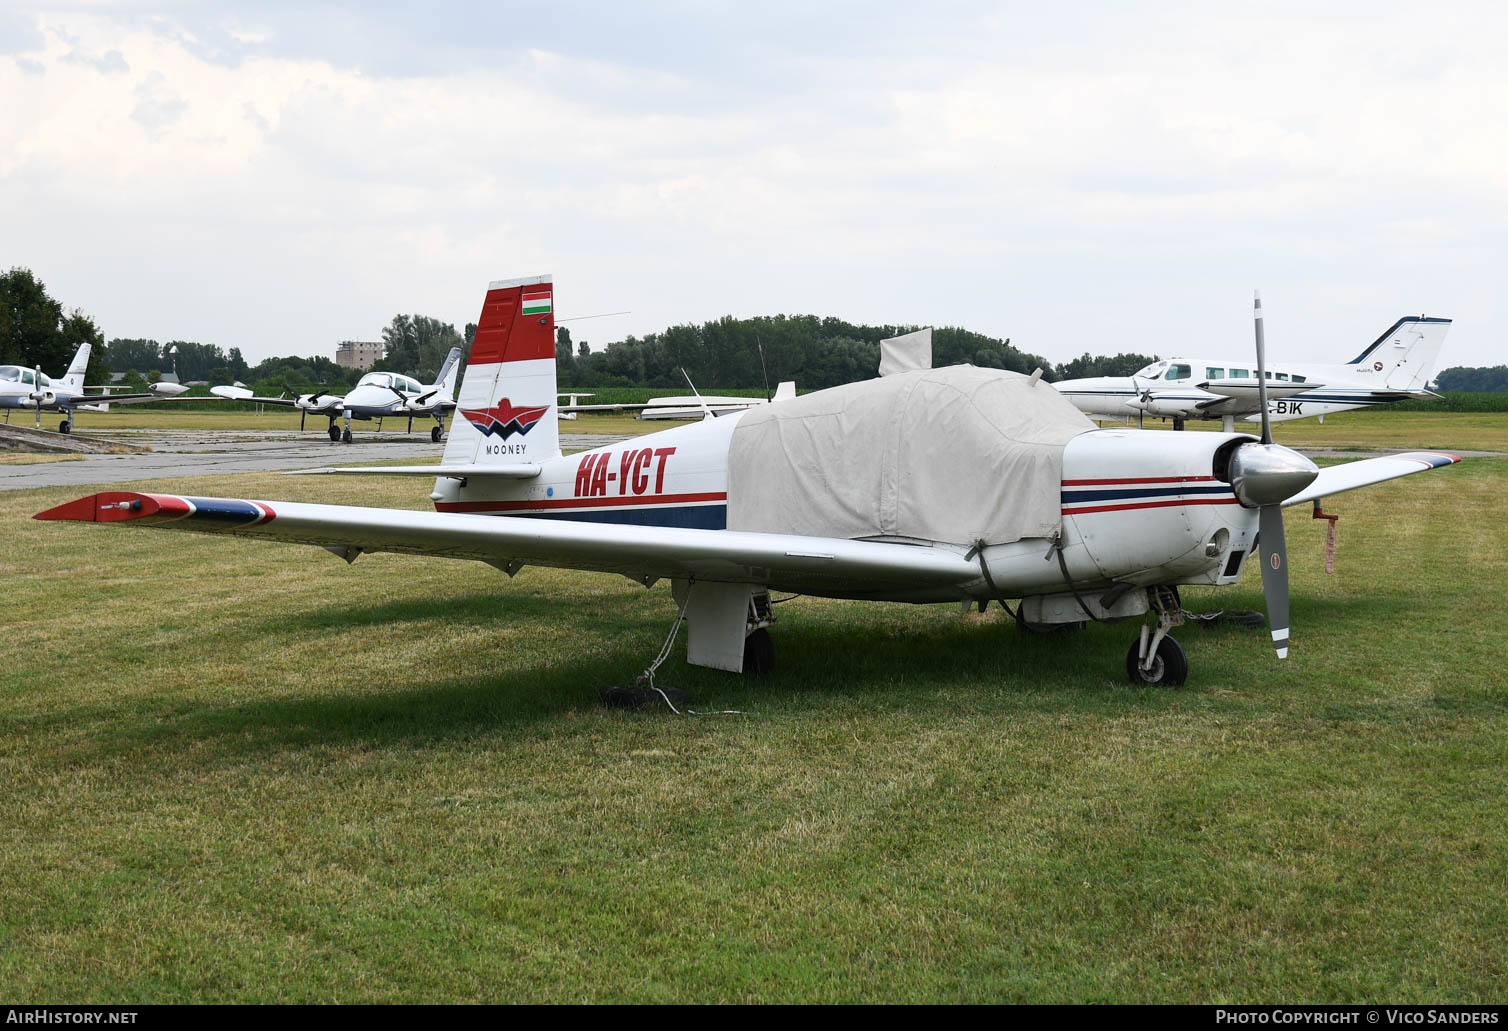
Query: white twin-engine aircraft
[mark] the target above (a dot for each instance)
(933, 485)
(1395, 367)
(377, 395)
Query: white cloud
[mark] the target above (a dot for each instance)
(1075, 182)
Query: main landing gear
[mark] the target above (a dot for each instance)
(1155, 658)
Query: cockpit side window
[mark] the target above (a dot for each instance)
(27, 378)
(1179, 372)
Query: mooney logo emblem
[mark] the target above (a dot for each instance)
(504, 420)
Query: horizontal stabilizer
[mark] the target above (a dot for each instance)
(517, 471)
(1336, 479)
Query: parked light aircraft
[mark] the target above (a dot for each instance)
(21, 387)
(890, 489)
(377, 395)
(1395, 367)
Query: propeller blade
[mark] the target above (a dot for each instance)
(1275, 575)
(1262, 369)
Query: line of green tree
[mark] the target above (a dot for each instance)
(814, 351)
(1480, 379)
(722, 355)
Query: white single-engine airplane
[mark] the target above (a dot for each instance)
(1395, 367)
(21, 387)
(934, 485)
(377, 395)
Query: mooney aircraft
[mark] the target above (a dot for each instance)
(1395, 367)
(21, 387)
(377, 395)
(931, 485)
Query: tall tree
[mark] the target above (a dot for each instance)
(35, 331)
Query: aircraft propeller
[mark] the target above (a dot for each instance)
(1264, 476)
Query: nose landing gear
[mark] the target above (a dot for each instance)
(1155, 658)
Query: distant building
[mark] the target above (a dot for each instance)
(357, 354)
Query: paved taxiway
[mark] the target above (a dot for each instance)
(182, 453)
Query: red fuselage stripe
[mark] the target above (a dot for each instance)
(568, 503)
(1149, 504)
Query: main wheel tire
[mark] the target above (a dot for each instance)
(345, 438)
(759, 653)
(1170, 666)
(335, 434)
(434, 434)
(65, 426)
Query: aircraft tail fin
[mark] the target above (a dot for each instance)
(1404, 357)
(445, 379)
(504, 414)
(74, 377)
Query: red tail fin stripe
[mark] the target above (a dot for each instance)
(505, 334)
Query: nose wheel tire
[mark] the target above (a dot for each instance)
(1169, 668)
(435, 433)
(335, 434)
(65, 426)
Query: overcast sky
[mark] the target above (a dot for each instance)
(1074, 176)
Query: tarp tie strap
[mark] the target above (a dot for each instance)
(1057, 546)
(984, 567)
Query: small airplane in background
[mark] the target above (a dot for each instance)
(25, 388)
(954, 485)
(377, 395)
(1395, 367)
(685, 407)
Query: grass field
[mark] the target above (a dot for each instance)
(241, 772)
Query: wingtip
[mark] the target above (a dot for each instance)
(113, 507)
(80, 510)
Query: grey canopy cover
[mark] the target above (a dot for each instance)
(956, 455)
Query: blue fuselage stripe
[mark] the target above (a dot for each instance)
(694, 517)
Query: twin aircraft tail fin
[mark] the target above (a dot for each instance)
(74, 377)
(506, 414)
(1404, 357)
(445, 381)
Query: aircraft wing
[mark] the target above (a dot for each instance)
(1237, 396)
(128, 399)
(1338, 478)
(509, 542)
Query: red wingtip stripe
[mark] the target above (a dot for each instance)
(117, 506)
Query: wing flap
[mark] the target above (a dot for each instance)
(781, 560)
(1336, 479)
